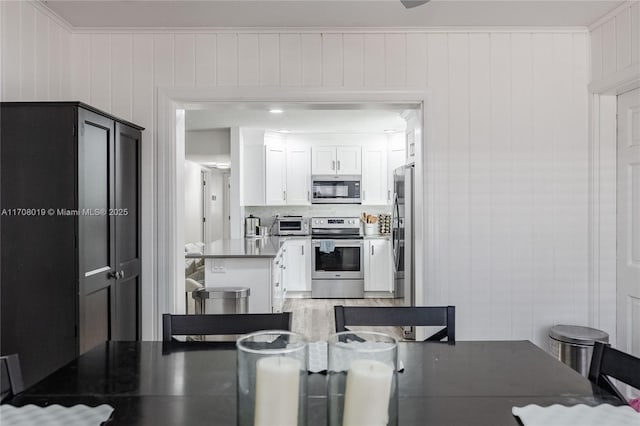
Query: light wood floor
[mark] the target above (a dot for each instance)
(314, 318)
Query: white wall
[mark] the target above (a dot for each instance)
(192, 202)
(215, 208)
(615, 44)
(510, 144)
(35, 54)
(208, 145)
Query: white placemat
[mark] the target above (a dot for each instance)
(582, 415)
(54, 415)
(318, 358)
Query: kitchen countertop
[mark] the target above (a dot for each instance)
(253, 247)
(244, 247)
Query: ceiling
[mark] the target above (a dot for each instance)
(299, 118)
(327, 13)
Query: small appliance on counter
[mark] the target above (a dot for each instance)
(251, 224)
(292, 225)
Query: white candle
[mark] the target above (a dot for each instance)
(277, 390)
(366, 400)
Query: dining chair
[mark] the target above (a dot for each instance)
(609, 362)
(10, 376)
(400, 316)
(222, 324)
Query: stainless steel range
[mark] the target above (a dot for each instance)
(337, 258)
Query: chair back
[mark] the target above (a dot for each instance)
(222, 324)
(400, 316)
(10, 376)
(609, 362)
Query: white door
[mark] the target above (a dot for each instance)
(628, 221)
(374, 176)
(395, 159)
(348, 160)
(298, 176)
(275, 175)
(378, 275)
(296, 264)
(323, 160)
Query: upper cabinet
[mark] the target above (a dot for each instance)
(298, 181)
(252, 167)
(336, 160)
(275, 175)
(375, 189)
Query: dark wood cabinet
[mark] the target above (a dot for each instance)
(70, 232)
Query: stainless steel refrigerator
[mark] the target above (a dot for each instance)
(403, 238)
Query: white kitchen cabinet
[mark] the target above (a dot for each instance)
(323, 160)
(349, 160)
(395, 159)
(252, 167)
(297, 264)
(275, 175)
(375, 190)
(340, 160)
(298, 176)
(378, 274)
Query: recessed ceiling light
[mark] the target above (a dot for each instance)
(275, 111)
(390, 130)
(284, 131)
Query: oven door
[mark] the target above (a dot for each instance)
(344, 262)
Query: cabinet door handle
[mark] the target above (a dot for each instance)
(373, 251)
(114, 275)
(302, 247)
(364, 194)
(284, 195)
(308, 196)
(338, 164)
(333, 165)
(388, 195)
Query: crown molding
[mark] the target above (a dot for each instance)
(611, 14)
(326, 30)
(42, 7)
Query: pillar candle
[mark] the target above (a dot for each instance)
(277, 391)
(366, 401)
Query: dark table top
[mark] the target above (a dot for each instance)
(469, 383)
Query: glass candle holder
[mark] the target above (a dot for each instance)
(272, 379)
(362, 379)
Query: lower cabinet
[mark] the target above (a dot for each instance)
(378, 274)
(297, 264)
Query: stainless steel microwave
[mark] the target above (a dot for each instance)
(336, 189)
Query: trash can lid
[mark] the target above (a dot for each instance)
(221, 293)
(578, 334)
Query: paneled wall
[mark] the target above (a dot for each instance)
(615, 43)
(510, 143)
(35, 54)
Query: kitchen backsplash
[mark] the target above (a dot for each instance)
(267, 213)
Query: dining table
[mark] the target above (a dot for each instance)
(194, 383)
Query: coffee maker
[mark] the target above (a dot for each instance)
(251, 224)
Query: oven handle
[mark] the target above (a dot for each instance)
(339, 243)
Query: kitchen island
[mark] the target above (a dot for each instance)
(255, 263)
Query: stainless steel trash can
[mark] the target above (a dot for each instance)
(221, 300)
(573, 345)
